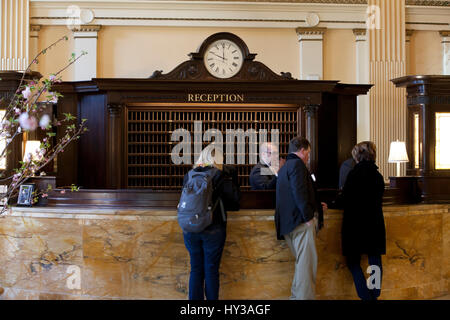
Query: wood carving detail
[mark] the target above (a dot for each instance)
(194, 69)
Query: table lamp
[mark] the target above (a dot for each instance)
(398, 154)
(31, 149)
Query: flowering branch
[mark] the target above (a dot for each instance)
(22, 114)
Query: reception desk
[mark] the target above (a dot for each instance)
(76, 253)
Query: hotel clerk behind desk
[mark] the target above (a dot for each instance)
(264, 175)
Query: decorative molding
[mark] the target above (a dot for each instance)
(311, 110)
(444, 33)
(35, 27)
(254, 14)
(359, 32)
(115, 109)
(408, 35)
(86, 28)
(310, 31)
(416, 100)
(298, 1)
(194, 69)
(428, 3)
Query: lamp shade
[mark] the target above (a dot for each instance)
(397, 152)
(31, 149)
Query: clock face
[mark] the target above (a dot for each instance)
(223, 59)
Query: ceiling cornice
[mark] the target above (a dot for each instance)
(332, 14)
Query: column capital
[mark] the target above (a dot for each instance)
(359, 32)
(35, 27)
(86, 28)
(311, 109)
(310, 33)
(306, 30)
(445, 35)
(408, 34)
(115, 109)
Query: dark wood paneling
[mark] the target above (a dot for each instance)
(346, 127)
(92, 156)
(67, 161)
(409, 191)
(102, 159)
(327, 175)
(427, 95)
(106, 198)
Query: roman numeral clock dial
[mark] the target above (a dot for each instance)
(223, 59)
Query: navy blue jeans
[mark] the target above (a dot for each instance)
(205, 249)
(353, 263)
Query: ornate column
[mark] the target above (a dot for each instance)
(362, 77)
(114, 146)
(387, 61)
(445, 35)
(14, 30)
(311, 53)
(85, 39)
(312, 134)
(34, 41)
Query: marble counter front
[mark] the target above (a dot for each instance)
(76, 253)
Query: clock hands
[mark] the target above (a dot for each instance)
(223, 58)
(223, 64)
(223, 51)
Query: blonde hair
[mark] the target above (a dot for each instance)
(210, 156)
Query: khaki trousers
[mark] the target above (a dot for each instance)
(302, 243)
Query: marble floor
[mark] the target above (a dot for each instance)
(447, 297)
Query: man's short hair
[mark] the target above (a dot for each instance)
(364, 151)
(298, 143)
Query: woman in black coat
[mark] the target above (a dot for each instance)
(363, 230)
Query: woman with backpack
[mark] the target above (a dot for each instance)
(202, 216)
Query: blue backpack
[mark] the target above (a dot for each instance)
(195, 208)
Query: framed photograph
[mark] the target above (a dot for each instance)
(25, 195)
(3, 191)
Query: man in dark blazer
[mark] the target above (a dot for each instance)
(298, 214)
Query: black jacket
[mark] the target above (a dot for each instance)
(363, 230)
(262, 182)
(296, 197)
(230, 200)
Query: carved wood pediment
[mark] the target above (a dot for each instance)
(194, 69)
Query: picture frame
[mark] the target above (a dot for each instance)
(25, 197)
(3, 192)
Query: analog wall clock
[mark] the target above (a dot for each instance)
(223, 58)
